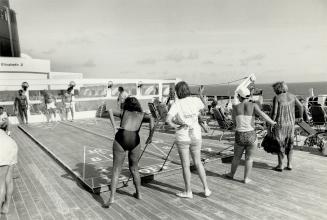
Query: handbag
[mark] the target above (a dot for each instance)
(270, 144)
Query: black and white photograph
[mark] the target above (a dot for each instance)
(163, 109)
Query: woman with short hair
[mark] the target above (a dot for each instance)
(283, 113)
(183, 116)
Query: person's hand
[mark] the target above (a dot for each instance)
(181, 126)
(273, 126)
(201, 89)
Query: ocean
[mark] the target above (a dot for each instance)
(301, 89)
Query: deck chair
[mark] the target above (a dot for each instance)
(223, 122)
(159, 113)
(318, 116)
(313, 137)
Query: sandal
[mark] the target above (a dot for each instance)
(107, 205)
(278, 169)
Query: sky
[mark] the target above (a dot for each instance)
(200, 41)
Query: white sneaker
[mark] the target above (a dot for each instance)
(8, 133)
(185, 195)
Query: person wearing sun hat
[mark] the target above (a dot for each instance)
(245, 135)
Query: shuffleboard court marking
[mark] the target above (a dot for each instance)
(217, 146)
(100, 181)
(112, 139)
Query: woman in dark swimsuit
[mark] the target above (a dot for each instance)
(127, 139)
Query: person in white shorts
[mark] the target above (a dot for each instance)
(67, 100)
(50, 101)
(183, 116)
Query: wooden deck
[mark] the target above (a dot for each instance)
(44, 190)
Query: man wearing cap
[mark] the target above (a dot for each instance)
(67, 100)
(21, 106)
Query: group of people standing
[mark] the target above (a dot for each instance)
(183, 117)
(21, 104)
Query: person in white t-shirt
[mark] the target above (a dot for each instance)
(4, 122)
(183, 116)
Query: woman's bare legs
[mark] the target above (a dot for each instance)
(118, 160)
(249, 152)
(9, 190)
(185, 160)
(133, 160)
(3, 175)
(238, 152)
(289, 159)
(196, 156)
(280, 161)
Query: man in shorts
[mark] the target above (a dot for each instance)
(21, 107)
(67, 100)
(4, 121)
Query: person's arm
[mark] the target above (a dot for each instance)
(148, 118)
(27, 103)
(274, 109)
(112, 119)
(263, 115)
(15, 105)
(300, 106)
(234, 115)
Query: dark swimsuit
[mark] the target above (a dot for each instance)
(128, 134)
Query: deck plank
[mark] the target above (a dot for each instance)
(44, 190)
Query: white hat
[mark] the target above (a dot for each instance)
(244, 92)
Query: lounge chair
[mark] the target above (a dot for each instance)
(223, 123)
(159, 113)
(314, 137)
(318, 116)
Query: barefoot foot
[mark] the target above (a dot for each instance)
(5, 208)
(246, 180)
(137, 195)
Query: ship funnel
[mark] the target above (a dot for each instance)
(4, 3)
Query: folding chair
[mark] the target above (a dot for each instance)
(318, 116)
(159, 118)
(223, 122)
(313, 136)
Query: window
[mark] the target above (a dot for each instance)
(7, 96)
(150, 89)
(90, 91)
(35, 95)
(130, 88)
(166, 87)
(3, 14)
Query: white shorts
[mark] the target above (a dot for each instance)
(68, 105)
(51, 105)
(187, 135)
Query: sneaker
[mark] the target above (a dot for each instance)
(185, 195)
(8, 133)
(207, 193)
